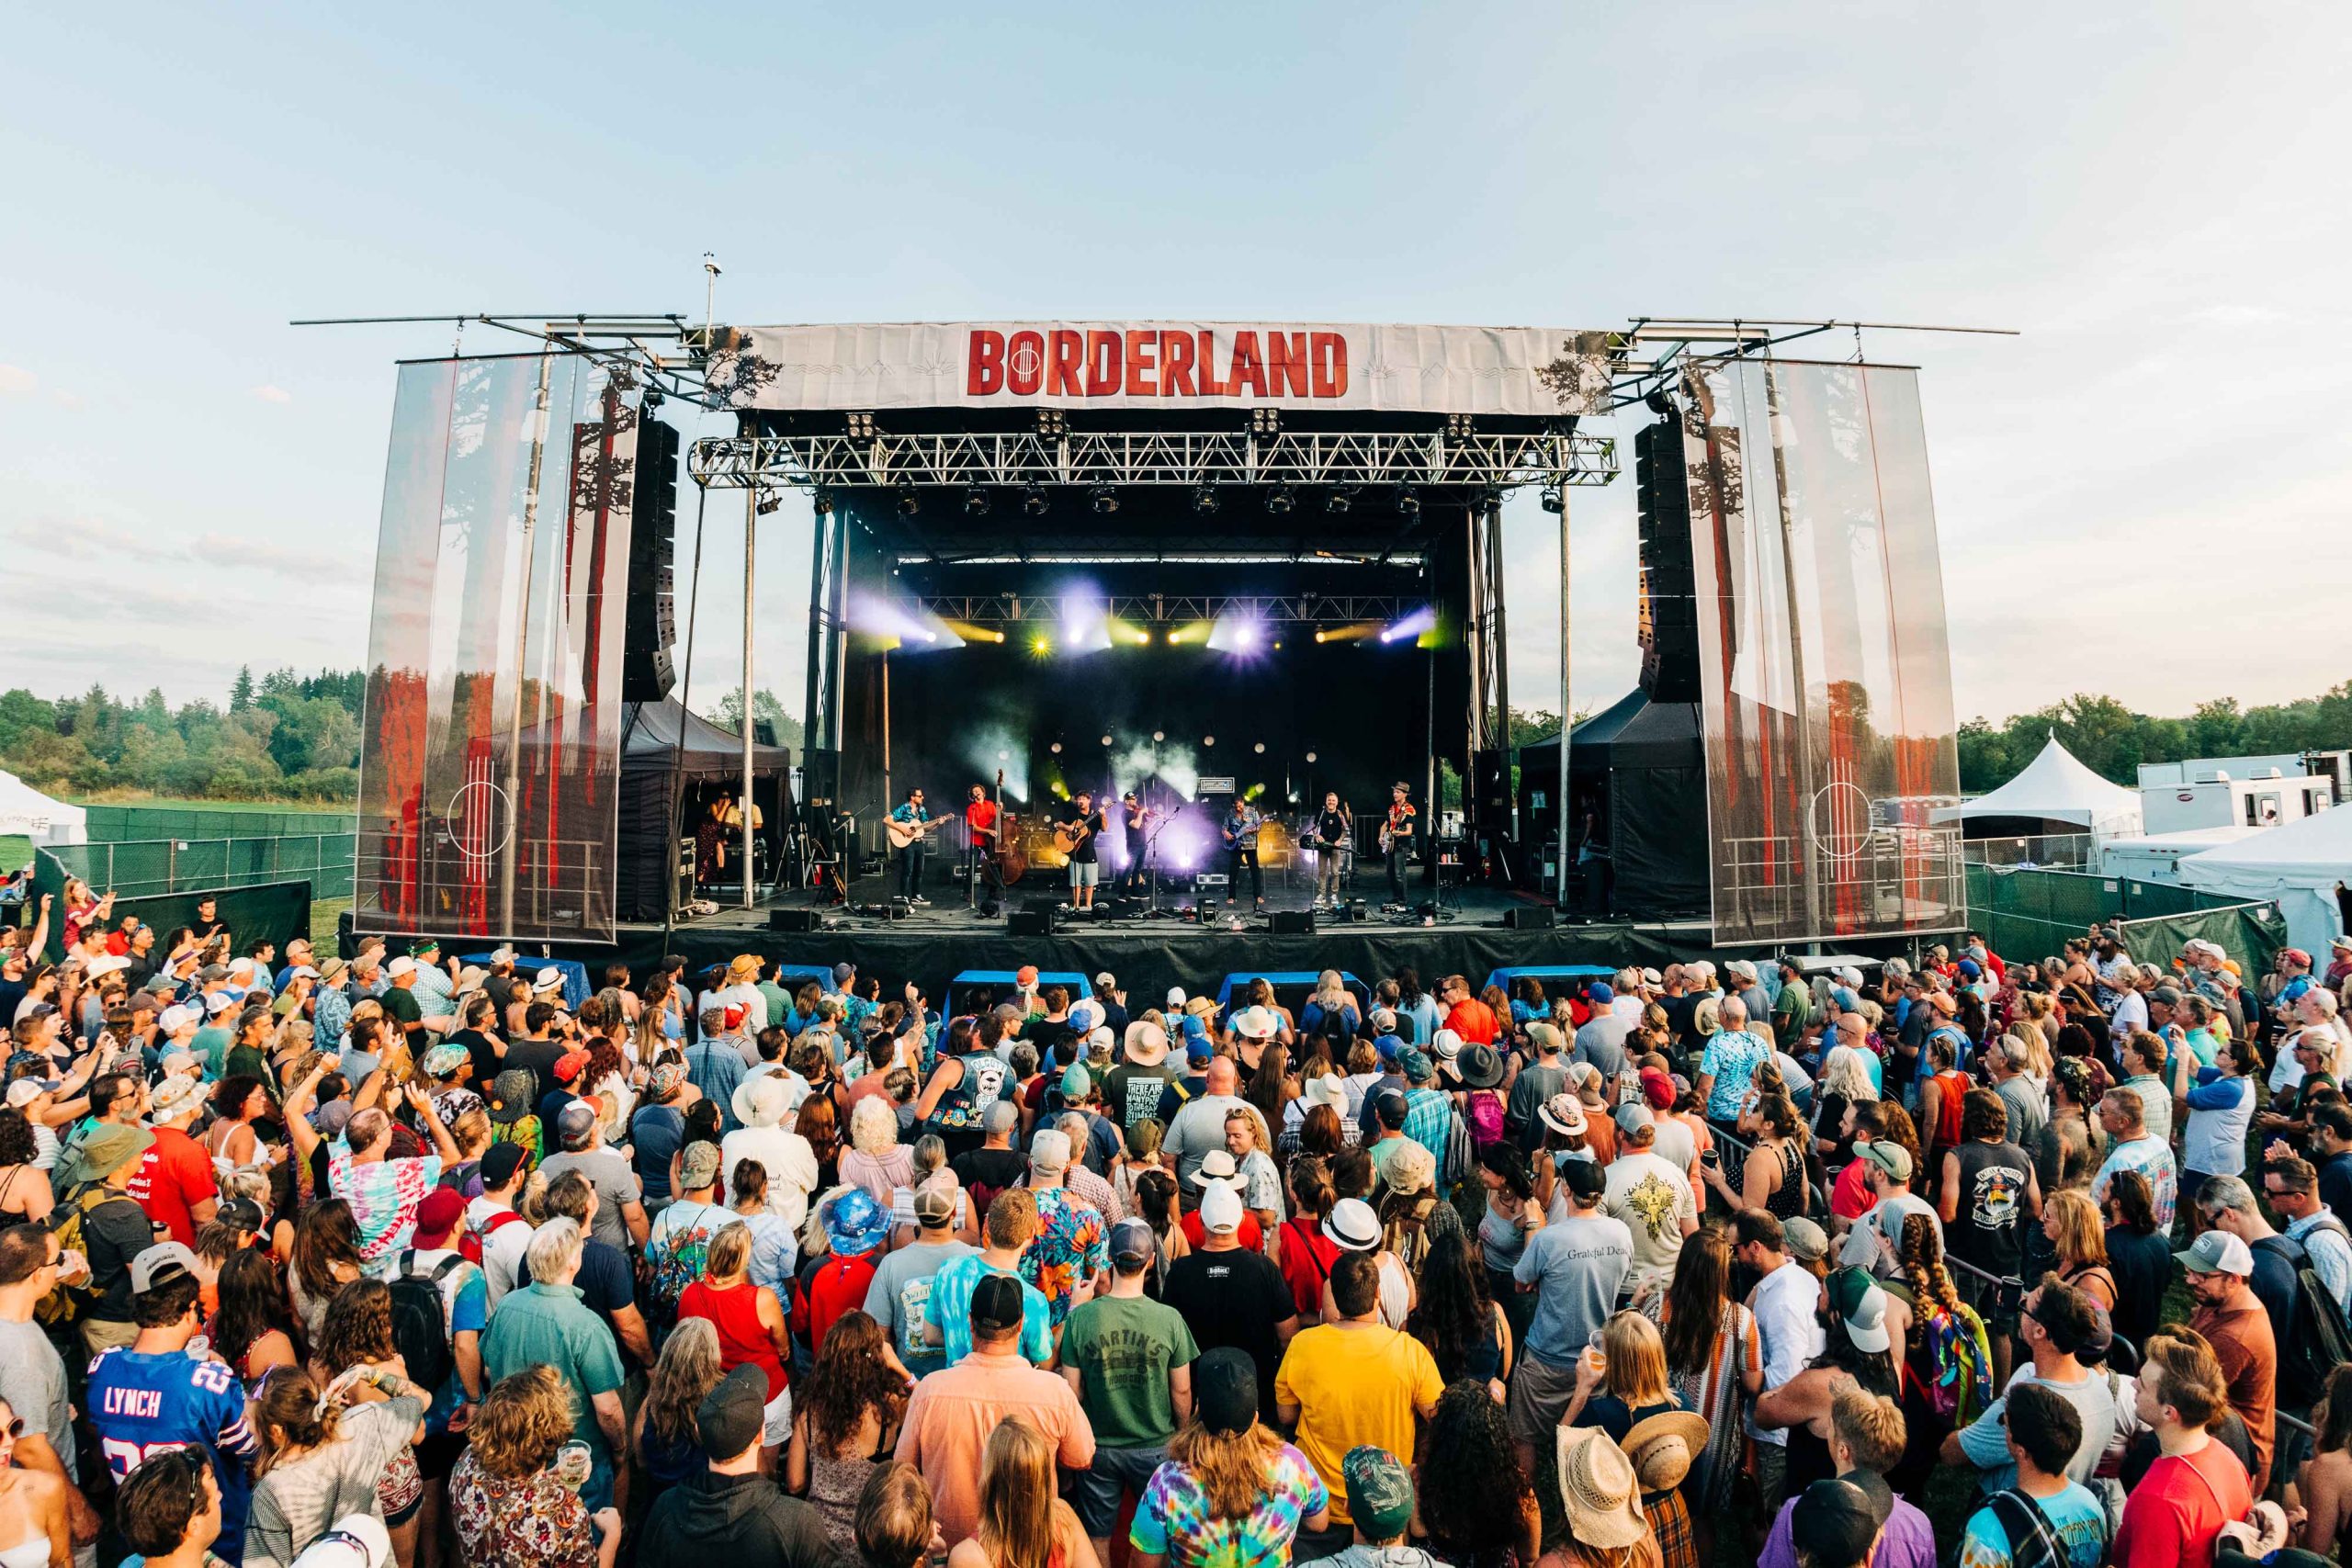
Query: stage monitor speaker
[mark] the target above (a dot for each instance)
(650, 627)
(793, 920)
(1668, 618)
(1291, 922)
(1529, 918)
(1030, 922)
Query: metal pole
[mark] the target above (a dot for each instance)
(887, 797)
(750, 541)
(1496, 580)
(514, 789)
(1566, 713)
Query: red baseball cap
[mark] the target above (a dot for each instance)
(438, 1215)
(1657, 1088)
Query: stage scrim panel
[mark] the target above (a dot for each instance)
(1824, 654)
(491, 743)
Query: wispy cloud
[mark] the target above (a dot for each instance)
(270, 394)
(16, 381)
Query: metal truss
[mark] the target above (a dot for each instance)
(1161, 458)
(1297, 609)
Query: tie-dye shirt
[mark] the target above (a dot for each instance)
(1174, 1519)
(383, 1195)
(1072, 1245)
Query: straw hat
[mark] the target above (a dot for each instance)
(1597, 1486)
(1329, 1089)
(1664, 1447)
(759, 1100)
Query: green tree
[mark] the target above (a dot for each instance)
(767, 711)
(240, 691)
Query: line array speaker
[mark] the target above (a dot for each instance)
(650, 628)
(1667, 620)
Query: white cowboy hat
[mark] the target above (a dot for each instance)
(1327, 1090)
(1255, 1023)
(759, 1101)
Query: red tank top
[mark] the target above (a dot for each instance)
(743, 1340)
(1955, 1089)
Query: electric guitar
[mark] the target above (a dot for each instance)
(1394, 827)
(904, 833)
(1233, 833)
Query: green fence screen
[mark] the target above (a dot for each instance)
(2030, 914)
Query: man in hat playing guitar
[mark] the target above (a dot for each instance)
(1397, 840)
(1076, 837)
(906, 826)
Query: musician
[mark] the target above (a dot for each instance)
(1085, 824)
(911, 855)
(1396, 839)
(1241, 824)
(1334, 827)
(981, 834)
(1135, 820)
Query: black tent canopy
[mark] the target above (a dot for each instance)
(671, 759)
(1639, 768)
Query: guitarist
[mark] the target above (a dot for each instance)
(912, 811)
(1334, 827)
(1397, 840)
(980, 833)
(1241, 825)
(1083, 826)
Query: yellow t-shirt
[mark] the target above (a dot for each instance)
(1354, 1386)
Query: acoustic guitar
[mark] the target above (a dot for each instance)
(1068, 836)
(905, 833)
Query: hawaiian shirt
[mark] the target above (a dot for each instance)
(1072, 1244)
(330, 1019)
(1174, 1518)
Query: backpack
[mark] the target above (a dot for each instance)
(421, 1320)
(470, 1240)
(2316, 1342)
(1485, 1119)
(64, 1304)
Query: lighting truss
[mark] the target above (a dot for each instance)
(1156, 457)
(1294, 609)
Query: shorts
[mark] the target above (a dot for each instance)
(1096, 1490)
(1540, 1392)
(776, 1429)
(1085, 872)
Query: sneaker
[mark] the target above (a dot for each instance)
(920, 902)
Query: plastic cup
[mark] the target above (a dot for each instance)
(573, 1463)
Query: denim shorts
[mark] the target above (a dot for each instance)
(1095, 1491)
(1085, 872)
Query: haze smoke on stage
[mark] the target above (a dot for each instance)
(902, 629)
(987, 747)
(1085, 622)
(1413, 627)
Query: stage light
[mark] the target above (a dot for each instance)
(1310, 756)
(1103, 499)
(1319, 634)
(970, 633)
(1106, 741)
(1205, 500)
(769, 502)
(1041, 644)
(1409, 504)
(1280, 500)
(1056, 748)
(1004, 755)
(1661, 401)
(1208, 740)
(1033, 499)
(1052, 423)
(1421, 620)
(1554, 500)
(1160, 735)
(1457, 427)
(1244, 636)
(1260, 748)
(823, 500)
(1338, 499)
(1265, 421)
(861, 427)
(977, 503)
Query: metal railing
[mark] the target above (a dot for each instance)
(2053, 851)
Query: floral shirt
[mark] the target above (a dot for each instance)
(1173, 1518)
(330, 1017)
(536, 1522)
(1072, 1244)
(383, 1195)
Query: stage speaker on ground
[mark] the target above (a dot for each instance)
(792, 919)
(1530, 918)
(1668, 617)
(650, 626)
(1291, 922)
(1030, 922)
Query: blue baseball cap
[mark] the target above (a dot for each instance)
(1388, 1045)
(1599, 993)
(1968, 968)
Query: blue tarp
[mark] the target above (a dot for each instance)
(1301, 981)
(576, 988)
(1547, 973)
(1005, 979)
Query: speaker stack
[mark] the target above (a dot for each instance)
(1668, 618)
(650, 628)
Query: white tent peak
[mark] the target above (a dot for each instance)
(25, 812)
(2055, 786)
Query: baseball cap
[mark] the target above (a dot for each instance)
(1657, 1088)
(24, 1091)
(438, 1215)
(1390, 1106)
(1049, 1150)
(1861, 1305)
(1414, 1066)
(1076, 1082)
(734, 1415)
(1888, 1156)
(1380, 1492)
(698, 1166)
(2217, 1252)
(1225, 1387)
(1220, 1209)
(1833, 1522)
(500, 1161)
(933, 1205)
(1133, 1243)
(1803, 1238)
(1600, 993)
(358, 1541)
(997, 1305)
(400, 966)
(1585, 1177)
(245, 1215)
(1634, 1114)
(160, 1264)
(575, 1124)
(1175, 997)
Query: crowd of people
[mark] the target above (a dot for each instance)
(389, 1259)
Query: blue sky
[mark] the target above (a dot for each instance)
(2138, 496)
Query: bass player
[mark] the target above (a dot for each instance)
(1334, 829)
(980, 833)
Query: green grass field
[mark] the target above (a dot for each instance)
(15, 853)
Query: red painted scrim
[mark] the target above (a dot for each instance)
(399, 704)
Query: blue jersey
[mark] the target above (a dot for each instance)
(142, 1405)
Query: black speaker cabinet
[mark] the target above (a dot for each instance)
(1030, 922)
(792, 921)
(1529, 918)
(1292, 922)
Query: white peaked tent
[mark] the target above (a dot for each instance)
(2057, 788)
(2299, 866)
(26, 812)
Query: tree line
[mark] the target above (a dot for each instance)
(2112, 740)
(284, 737)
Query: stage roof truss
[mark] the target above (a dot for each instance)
(1188, 458)
(1291, 609)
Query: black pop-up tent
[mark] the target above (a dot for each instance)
(1640, 767)
(671, 759)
